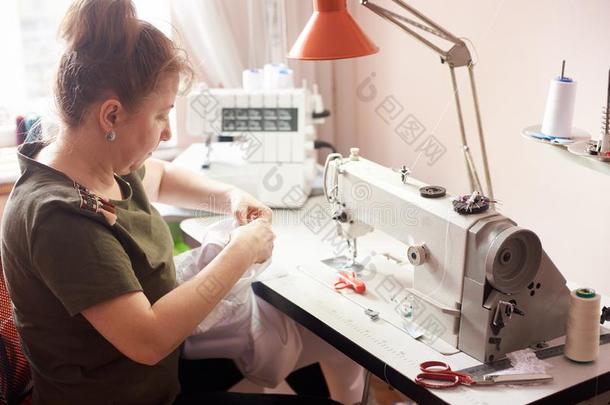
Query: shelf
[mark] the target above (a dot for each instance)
(597, 165)
(562, 150)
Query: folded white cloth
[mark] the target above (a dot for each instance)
(264, 343)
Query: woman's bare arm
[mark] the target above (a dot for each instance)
(171, 184)
(147, 333)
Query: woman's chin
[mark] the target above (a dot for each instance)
(140, 162)
(125, 171)
(134, 166)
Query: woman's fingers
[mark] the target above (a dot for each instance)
(266, 213)
(241, 215)
(258, 212)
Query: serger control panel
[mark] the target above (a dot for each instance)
(260, 119)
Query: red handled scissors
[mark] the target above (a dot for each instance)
(433, 371)
(349, 280)
(437, 374)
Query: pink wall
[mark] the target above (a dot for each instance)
(520, 45)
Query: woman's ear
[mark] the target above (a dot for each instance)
(110, 112)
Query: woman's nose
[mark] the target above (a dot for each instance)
(166, 135)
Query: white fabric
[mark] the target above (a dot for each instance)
(264, 343)
(345, 379)
(237, 304)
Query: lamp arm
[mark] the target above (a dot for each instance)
(449, 36)
(471, 169)
(415, 23)
(477, 110)
(458, 55)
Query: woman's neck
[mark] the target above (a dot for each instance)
(81, 157)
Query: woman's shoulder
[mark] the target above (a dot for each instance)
(43, 192)
(38, 198)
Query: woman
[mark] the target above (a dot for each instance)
(88, 260)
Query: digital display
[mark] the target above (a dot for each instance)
(259, 120)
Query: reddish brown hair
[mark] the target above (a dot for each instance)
(109, 50)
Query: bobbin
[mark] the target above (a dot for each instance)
(432, 191)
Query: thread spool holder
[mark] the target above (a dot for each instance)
(590, 161)
(582, 149)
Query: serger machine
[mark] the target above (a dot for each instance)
(260, 140)
(487, 283)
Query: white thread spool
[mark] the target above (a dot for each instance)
(582, 327)
(270, 72)
(559, 109)
(285, 79)
(252, 79)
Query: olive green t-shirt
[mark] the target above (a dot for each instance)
(60, 257)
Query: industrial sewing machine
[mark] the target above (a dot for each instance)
(259, 140)
(487, 281)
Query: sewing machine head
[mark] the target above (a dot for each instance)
(487, 282)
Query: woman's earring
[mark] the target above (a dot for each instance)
(110, 136)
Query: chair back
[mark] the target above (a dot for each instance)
(15, 375)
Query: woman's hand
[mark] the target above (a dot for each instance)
(246, 208)
(256, 238)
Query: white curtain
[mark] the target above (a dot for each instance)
(204, 29)
(224, 37)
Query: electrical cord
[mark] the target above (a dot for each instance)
(321, 114)
(318, 144)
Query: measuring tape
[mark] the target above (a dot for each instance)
(545, 353)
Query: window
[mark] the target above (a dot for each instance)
(31, 56)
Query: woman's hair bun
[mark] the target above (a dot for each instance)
(111, 52)
(100, 28)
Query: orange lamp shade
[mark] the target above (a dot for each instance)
(331, 33)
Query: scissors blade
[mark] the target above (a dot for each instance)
(512, 378)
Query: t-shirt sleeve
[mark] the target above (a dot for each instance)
(81, 261)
